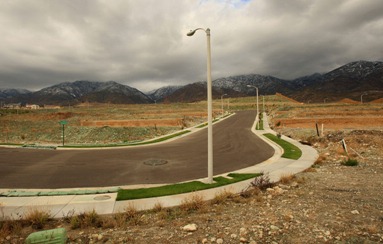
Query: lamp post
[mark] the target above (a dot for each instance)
(257, 100)
(222, 102)
(361, 97)
(209, 107)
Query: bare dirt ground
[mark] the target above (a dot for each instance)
(328, 203)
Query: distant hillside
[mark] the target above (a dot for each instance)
(70, 93)
(10, 93)
(159, 94)
(349, 81)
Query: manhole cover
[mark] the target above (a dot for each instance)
(103, 197)
(155, 162)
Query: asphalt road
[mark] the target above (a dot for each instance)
(235, 147)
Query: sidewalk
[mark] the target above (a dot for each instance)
(105, 203)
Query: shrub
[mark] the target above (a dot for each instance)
(221, 197)
(158, 207)
(286, 178)
(193, 204)
(350, 162)
(85, 220)
(132, 215)
(36, 218)
(262, 182)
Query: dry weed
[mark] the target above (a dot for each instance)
(286, 178)
(222, 196)
(86, 220)
(8, 227)
(158, 207)
(311, 169)
(132, 215)
(320, 160)
(36, 218)
(193, 203)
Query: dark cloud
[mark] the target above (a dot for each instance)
(144, 43)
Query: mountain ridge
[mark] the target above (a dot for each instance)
(347, 81)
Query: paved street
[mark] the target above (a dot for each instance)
(235, 147)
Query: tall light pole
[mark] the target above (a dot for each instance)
(222, 102)
(257, 100)
(209, 107)
(263, 109)
(361, 97)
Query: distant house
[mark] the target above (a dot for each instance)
(12, 106)
(32, 106)
(51, 107)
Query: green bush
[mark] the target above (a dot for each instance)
(350, 162)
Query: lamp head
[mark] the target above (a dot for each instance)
(191, 32)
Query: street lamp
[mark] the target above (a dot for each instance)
(209, 107)
(361, 97)
(222, 102)
(257, 101)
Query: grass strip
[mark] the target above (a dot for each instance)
(130, 144)
(129, 194)
(290, 151)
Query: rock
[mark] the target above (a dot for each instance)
(99, 237)
(273, 227)
(243, 240)
(242, 231)
(233, 236)
(190, 227)
(278, 190)
(219, 241)
(355, 212)
(204, 240)
(8, 238)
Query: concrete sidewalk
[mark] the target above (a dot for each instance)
(105, 203)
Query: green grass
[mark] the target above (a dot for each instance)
(290, 151)
(130, 144)
(192, 186)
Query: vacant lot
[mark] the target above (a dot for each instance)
(109, 123)
(328, 203)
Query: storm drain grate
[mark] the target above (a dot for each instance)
(155, 162)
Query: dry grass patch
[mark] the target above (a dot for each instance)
(194, 203)
(37, 218)
(320, 160)
(8, 227)
(222, 196)
(132, 215)
(86, 220)
(286, 178)
(158, 207)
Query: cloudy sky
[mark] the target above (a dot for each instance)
(143, 43)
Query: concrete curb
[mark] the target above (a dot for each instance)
(68, 205)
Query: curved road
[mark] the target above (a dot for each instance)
(235, 147)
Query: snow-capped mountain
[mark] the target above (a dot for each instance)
(10, 93)
(159, 94)
(91, 91)
(348, 81)
(241, 83)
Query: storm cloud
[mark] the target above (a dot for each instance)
(144, 44)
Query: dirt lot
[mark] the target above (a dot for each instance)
(328, 203)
